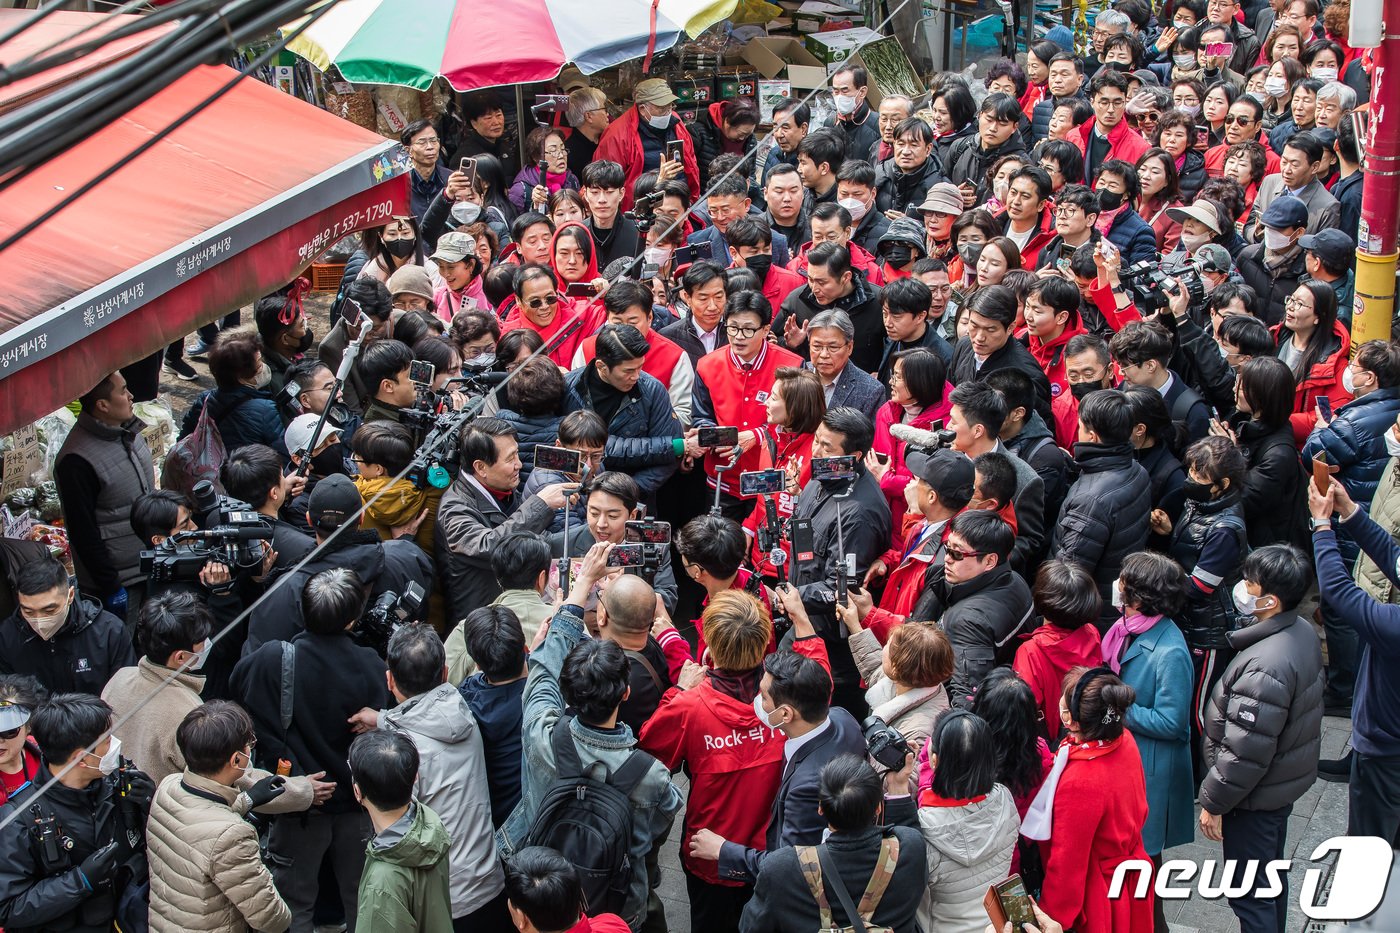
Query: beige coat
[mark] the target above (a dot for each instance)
(206, 874)
(1385, 511)
(148, 738)
(911, 713)
(527, 605)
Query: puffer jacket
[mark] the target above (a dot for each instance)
(969, 848)
(1104, 516)
(707, 133)
(1385, 511)
(1206, 618)
(206, 873)
(641, 435)
(1273, 490)
(400, 504)
(1263, 724)
(530, 432)
(1272, 285)
(982, 618)
(911, 713)
(1355, 442)
(243, 415)
(404, 885)
(896, 190)
(1133, 236)
(1040, 116)
(968, 161)
(521, 192)
(81, 656)
(1192, 175)
(452, 781)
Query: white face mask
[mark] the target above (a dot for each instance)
(763, 715)
(108, 762)
(1195, 241)
(46, 627)
(200, 656)
(1275, 87)
(1276, 241)
(263, 377)
(1349, 382)
(1392, 443)
(844, 105)
(857, 208)
(1324, 74)
(1185, 62)
(656, 255)
(1000, 189)
(1189, 109)
(1117, 597)
(1245, 601)
(660, 121)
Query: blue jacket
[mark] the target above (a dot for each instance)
(244, 416)
(1375, 711)
(712, 240)
(531, 431)
(1157, 665)
(1134, 237)
(1355, 440)
(642, 433)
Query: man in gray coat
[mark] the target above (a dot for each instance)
(1263, 724)
(451, 771)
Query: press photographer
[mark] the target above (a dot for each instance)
(75, 858)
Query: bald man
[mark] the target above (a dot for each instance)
(627, 609)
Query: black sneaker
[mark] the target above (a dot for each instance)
(1339, 708)
(182, 369)
(1336, 770)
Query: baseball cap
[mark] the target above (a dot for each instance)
(949, 472)
(12, 716)
(410, 280)
(455, 247)
(333, 500)
(942, 198)
(1332, 246)
(1286, 211)
(298, 433)
(654, 91)
(1212, 257)
(1203, 211)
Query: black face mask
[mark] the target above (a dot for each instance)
(1196, 492)
(401, 249)
(898, 255)
(1082, 390)
(1110, 200)
(306, 340)
(759, 266)
(328, 461)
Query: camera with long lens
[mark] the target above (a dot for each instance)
(230, 533)
(387, 615)
(884, 743)
(1151, 286)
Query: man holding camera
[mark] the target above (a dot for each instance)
(302, 694)
(850, 528)
(70, 856)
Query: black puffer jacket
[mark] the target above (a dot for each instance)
(968, 161)
(1104, 516)
(981, 618)
(1263, 724)
(530, 432)
(1208, 617)
(896, 190)
(707, 132)
(1193, 175)
(1273, 494)
(1272, 286)
(943, 145)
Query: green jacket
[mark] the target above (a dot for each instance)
(404, 886)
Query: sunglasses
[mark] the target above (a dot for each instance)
(9, 734)
(956, 554)
(1236, 118)
(544, 302)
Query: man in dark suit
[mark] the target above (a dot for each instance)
(728, 201)
(989, 346)
(704, 292)
(794, 698)
(1142, 350)
(831, 341)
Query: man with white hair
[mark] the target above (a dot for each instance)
(1334, 101)
(1106, 24)
(587, 113)
(894, 110)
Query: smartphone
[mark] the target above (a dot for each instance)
(719, 437)
(675, 150)
(1322, 471)
(558, 460)
(646, 531)
(626, 555)
(421, 372)
(880, 458)
(468, 168)
(762, 482)
(833, 469)
(1324, 405)
(1220, 49)
(351, 312)
(579, 290)
(683, 256)
(1015, 901)
(1202, 136)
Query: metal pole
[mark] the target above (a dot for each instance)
(1380, 200)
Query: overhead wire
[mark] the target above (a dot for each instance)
(354, 520)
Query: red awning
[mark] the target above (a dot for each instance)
(227, 208)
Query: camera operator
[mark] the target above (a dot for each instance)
(253, 474)
(326, 459)
(374, 300)
(383, 566)
(864, 531)
(301, 695)
(67, 641)
(71, 856)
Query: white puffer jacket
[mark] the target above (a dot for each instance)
(969, 848)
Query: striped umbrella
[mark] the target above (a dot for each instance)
(484, 43)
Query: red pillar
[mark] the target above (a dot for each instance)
(1380, 202)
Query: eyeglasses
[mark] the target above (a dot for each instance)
(896, 376)
(941, 289)
(555, 151)
(825, 349)
(956, 554)
(743, 333)
(430, 141)
(1067, 210)
(546, 301)
(1237, 118)
(1295, 304)
(1112, 103)
(1050, 167)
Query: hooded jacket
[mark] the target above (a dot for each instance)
(1047, 656)
(1355, 441)
(400, 504)
(862, 260)
(452, 782)
(1050, 354)
(404, 886)
(1041, 236)
(621, 142)
(898, 476)
(969, 847)
(641, 436)
(863, 306)
(1263, 724)
(707, 135)
(81, 657)
(1325, 378)
(149, 735)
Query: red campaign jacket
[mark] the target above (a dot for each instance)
(661, 358)
(1045, 232)
(906, 581)
(1047, 656)
(779, 284)
(860, 259)
(591, 311)
(735, 763)
(1099, 808)
(898, 476)
(1051, 357)
(621, 144)
(1123, 141)
(738, 397)
(1325, 378)
(1065, 408)
(791, 448)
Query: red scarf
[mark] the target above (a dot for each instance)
(929, 799)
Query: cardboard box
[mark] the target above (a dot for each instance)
(770, 94)
(813, 15)
(832, 48)
(732, 84)
(780, 57)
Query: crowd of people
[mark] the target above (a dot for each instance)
(1070, 467)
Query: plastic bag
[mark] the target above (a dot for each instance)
(160, 431)
(196, 457)
(53, 431)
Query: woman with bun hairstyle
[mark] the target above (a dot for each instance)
(1090, 811)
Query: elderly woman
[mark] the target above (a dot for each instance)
(547, 172)
(243, 414)
(905, 678)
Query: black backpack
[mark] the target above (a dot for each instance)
(590, 822)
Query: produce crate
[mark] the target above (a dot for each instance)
(325, 276)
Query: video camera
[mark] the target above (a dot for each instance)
(230, 533)
(387, 615)
(436, 424)
(1150, 286)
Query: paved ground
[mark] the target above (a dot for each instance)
(1319, 815)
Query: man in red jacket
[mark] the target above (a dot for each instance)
(751, 247)
(1106, 135)
(942, 487)
(637, 140)
(629, 302)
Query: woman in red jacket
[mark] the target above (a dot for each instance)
(19, 756)
(919, 392)
(1089, 813)
(1068, 601)
(1316, 346)
(795, 406)
(708, 725)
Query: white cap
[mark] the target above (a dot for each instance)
(298, 433)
